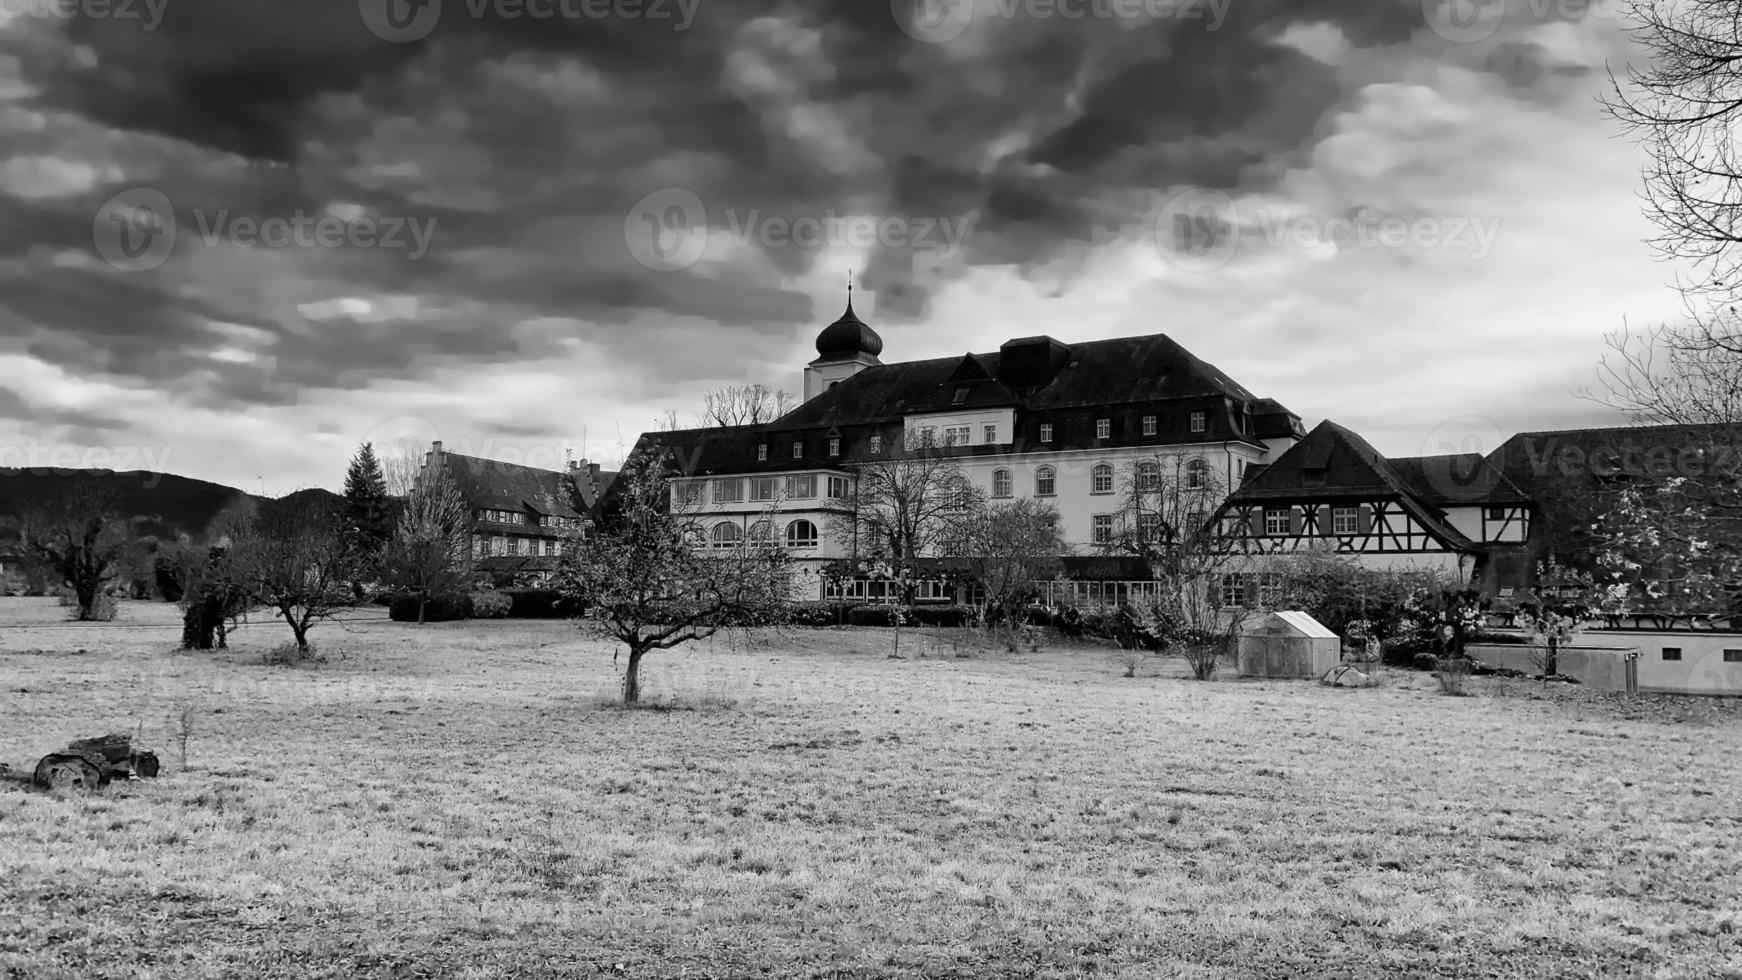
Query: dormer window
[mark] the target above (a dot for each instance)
(876, 444)
(1046, 432)
(834, 445)
(1197, 421)
(762, 453)
(1103, 428)
(961, 396)
(798, 450)
(1149, 425)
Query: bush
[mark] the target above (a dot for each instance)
(491, 605)
(1401, 651)
(541, 604)
(1425, 661)
(439, 608)
(949, 616)
(875, 615)
(1513, 639)
(825, 613)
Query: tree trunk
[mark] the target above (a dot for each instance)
(422, 600)
(632, 677)
(298, 629)
(1551, 668)
(87, 596)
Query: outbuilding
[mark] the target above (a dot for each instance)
(1288, 644)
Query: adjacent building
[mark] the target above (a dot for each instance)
(1039, 417)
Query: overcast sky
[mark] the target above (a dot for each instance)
(486, 227)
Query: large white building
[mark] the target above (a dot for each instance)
(1062, 422)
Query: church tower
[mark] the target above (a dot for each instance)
(844, 348)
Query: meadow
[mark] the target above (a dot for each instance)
(464, 801)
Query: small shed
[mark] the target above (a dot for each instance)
(1288, 644)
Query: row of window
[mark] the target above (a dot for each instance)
(499, 545)
(799, 534)
(521, 517)
(963, 435)
(1730, 656)
(762, 488)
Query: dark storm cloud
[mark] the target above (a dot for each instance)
(526, 143)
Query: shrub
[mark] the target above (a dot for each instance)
(1425, 661)
(491, 605)
(1453, 672)
(876, 615)
(823, 613)
(1401, 651)
(439, 608)
(541, 604)
(1482, 636)
(939, 615)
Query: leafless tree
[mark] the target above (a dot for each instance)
(430, 551)
(746, 404)
(80, 537)
(295, 560)
(911, 501)
(1005, 548)
(651, 581)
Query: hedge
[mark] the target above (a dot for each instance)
(439, 608)
(490, 605)
(541, 604)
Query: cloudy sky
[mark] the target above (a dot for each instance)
(239, 237)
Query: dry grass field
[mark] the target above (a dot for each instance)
(461, 801)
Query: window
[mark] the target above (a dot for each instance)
(762, 453)
(764, 487)
(990, 434)
(688, 495)
(1343, 521)
(514, 546)
(1101, 479)
(1001, 483)
(1148, 476)
(1043, 481)
(498, 545)
(727, 535)
(1494, 513)
(834, 445)
(1733, 656)
(1149, 425)
(1269, 591)
(1672, 653)
(1046, 432)
(550, 546)
(802, 487)
(957, 495)
(728, 491)
(1197, 421)
(1276, 521)
(958, 435)
(798, 450)
(762, 532)
(876, 444)
(1233, 591)
(961, 396)
(1103, 428)
(928, 435)
(1148, 527)
(838, 488)
(1195, 521)
(1197, 474)
(1103, 529)
(801, 534)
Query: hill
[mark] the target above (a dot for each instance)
(167, 504)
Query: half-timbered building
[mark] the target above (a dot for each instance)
(1332, 490)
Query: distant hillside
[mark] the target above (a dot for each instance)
(168, 504)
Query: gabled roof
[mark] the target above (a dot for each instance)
(1538, 462)
(495, 485)
(1457, 480)
(1332, 463)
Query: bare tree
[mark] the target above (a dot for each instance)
(295, 560)
(430, 551)
(1166, 520)
(910, 502)
(1004, 548)
(747, 404)
(650, 581)
(81, 537)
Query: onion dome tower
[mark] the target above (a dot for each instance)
(844, 348)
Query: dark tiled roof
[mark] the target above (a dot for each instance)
(1460, 479)
(1333, 463)
(1563, 460)
(494, 485)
